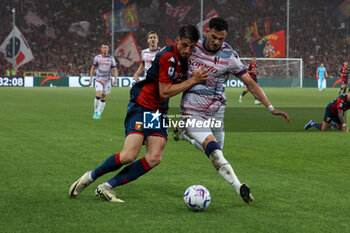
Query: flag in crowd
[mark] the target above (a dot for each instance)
(22, 53)
(209, 13)
(39, 23)
(172, 16)
(178, 12)
(127, 52)
(125, 19)
(342, 12)
(267, 26)
(81, 28)
(255, 30)
(272, 45)
(248, 33)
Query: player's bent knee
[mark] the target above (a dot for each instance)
(154, 159)
(208, 139)
(127, 157)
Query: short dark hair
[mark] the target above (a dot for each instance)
(218, 23)
(190, 32)
(150, 33)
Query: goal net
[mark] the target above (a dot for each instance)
(278, 72)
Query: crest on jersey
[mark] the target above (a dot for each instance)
(138, 125)
(216, 60)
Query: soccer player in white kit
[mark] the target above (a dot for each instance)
(205, 102)
(103, 63)
(148, 55)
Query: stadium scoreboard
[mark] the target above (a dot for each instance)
(11, 82)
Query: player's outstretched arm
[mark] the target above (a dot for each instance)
(167, 90)
(256, 90)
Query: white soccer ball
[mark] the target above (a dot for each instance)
(197, 198)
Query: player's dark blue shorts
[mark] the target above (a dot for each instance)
(329, 117)
(134, 122)
(344, 80)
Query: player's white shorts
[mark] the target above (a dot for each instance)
(321, 83)
(105, 88)
(211, 125)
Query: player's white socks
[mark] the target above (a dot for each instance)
(224, 169)
(193, 142)
(101, 107)
(97, 104)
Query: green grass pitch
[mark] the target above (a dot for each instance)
(300, 179)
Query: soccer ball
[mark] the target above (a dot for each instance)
(197, 198)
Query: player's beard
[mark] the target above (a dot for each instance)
(214, 47)
(185, 55)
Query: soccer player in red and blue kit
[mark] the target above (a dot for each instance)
(163, 80)
(253, 72)
(334, 115)
(344, 75)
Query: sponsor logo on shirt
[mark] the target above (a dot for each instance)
(197, 64)
(171, 71)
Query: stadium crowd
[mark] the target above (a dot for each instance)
(321, 39)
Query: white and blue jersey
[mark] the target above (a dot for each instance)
(104, 66)
(148, 56)
(208, 98)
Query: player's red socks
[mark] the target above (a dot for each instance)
(109, 165)
(130, 172)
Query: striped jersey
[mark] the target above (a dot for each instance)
(148, 56)
(207, 98)
(104, 65)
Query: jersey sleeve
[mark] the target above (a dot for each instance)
(340, 103)
(114, 63)
(95, 63)
(143, 56)
(236, 67)
(166, 68)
